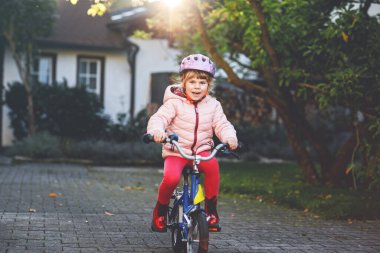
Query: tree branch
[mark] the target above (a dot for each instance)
(211, 49)
(309, 86)
(265, 37)
(364, 9)
(9, 38)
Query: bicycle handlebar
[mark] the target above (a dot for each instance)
(173, 139)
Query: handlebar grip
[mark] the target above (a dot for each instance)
(147, 138)
(173, 137)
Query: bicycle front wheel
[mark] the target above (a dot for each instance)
(178, 245)
(197, 241)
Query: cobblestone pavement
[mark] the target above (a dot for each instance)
(103, 209)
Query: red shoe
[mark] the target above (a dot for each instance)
(159, 218)
(212, 215)
(212, 220)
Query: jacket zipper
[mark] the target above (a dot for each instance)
(196, 127)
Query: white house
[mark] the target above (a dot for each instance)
(98, 52)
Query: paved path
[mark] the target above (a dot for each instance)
(99, 209)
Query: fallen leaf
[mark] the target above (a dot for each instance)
(52, 195)
(135, 188)
(108, 213)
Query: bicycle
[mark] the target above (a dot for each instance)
(186, 219)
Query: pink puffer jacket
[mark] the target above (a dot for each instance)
(193, 123)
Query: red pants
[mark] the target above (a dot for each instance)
(173, 167)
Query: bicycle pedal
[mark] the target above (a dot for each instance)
(216, 228)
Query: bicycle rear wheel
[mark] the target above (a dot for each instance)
(198, 237)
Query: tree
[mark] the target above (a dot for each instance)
(21, 24)
(97, 7)
(323, 53)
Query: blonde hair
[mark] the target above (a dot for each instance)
(188, 74)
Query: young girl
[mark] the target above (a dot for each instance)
(194, 116)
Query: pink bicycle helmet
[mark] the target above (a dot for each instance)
(197, 62)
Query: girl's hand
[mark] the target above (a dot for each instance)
(232, 143)
(159, 136)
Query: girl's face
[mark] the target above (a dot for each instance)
(196, 88)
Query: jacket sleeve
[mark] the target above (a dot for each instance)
(162, 118)
(222, 127)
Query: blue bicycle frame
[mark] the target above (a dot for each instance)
(186, 198)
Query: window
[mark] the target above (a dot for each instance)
(43, 69)
(159, 82)
(91, 74)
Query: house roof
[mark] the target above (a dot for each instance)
(133, 18)
(75, 29)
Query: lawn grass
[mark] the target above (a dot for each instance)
(282, 184)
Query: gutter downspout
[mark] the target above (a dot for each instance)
(132, 50)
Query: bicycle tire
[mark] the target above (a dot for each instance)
(198, 237)
(177, 244)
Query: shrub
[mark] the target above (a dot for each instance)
(40, 145)
(45, 145)
(15, 99)
(111, 152)
(69, 112)
(128, 130)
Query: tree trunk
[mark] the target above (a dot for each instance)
(31, 118)
(325, 159)
(296, 140)
(28, 89)
(24, 75)
(324, 156)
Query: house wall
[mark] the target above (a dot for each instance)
(154, 56)
(116, 81)
(116, 77)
